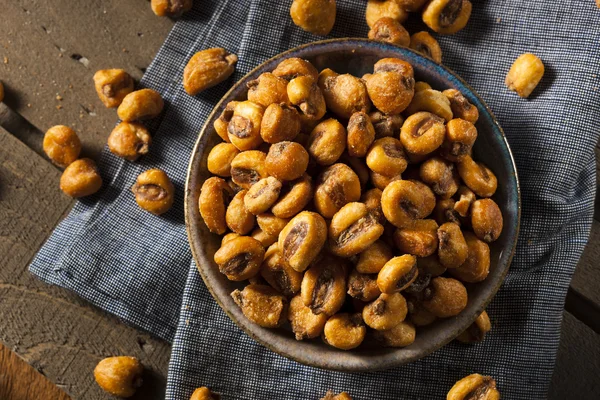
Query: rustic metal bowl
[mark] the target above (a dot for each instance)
(357, 56)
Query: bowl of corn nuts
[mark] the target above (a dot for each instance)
(352, 205)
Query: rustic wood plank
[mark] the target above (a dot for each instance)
(19, 381)
(60, 335)
(66, 42)
(577, 363)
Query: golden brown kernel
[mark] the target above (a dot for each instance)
(304, 92)
(344, 331)
(271, 224)
(377, 9)
(474, 387)
(447, 297)
(171, 8)
(208, 68)
(420, 85)
(477, 265)
(248, 167)
(353, 229)
(372, 199)
(262, 305)
(129, 140)
(262, 195)
(237, 217)
(444, 212)
(332, 396)
(401, 335)
(372, 260)
(479, 178)
(81, 178)
(294, 67)
(411, 5)
(222, 122)
(403, 202)
(154, 191)
(525, 74)
(453, 249)
(381, 181)
(337, 186)
(486, 220)
(112, 85)
(477, 330)
(419, 315)
(314, 16)
(244, 128)
(422, 133)
(228, 237)
(264, 238)
(268, 89)
(459, 139)
(391, 86)
(62, 145)
(240, 258)
(461, 107)
(324, 285)
(466, 198)
(305, 324)
(327, 142)
(361, 134)
(397, 274)
(119, 376)
(389, 30)
(358, 166)
(440, 176)
(294, 196)
(204, 393)
(431, 265)
(386, 125)
(140, 105)
(279, 274)
(432, 101)
(286, 161)
(302, 239)
(344, 94)
(447, 16)
(363, 286)
(220, 158)
(214, 197)
(386, 312)
(280, 122)
(425, 44)
(419, 239)
(386, 157)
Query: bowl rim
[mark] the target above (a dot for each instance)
(189, 200)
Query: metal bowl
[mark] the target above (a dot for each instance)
(357, 56)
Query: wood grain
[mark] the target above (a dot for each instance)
(19, 381)
(60, 335)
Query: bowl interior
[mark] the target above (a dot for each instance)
(357, 56)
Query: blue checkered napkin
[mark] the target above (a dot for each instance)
(139, 267)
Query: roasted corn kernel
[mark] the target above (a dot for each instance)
(294, 67)
(302, 239)
(486, 219)
(372, 260)
(425, 44)
(361, 134)
(477, 265)
(401, 335)
(129, 140)
(447, 16)
(222, 122)
(483, 387)
(314, 16)
(208, 68)
(171, 8)
(353, 229)
(344, 331)
(386, 312)
(139, 105)
(304, 92)
(422, 133)
(419, 239)
(386, 157)
(268, 89)
(237, 217)
(214, 197)
(240, 258)
(440, 176)
(432, 101)
(337, 186)
(244, 128)
(119, 376)
(447, 297)
(279, 274)
(280, 122)
(391, 86)
(479, 178)
(324, 285)
(305, 324)
(344, 94)
(248, 167)
(397, 274)
(525, 74)
(377, 9)
(262, 305)
(81, 178)
(458, 142)
(363, 286)
(453, 249)
(386, 125)
(62, 145)
(403, 202)
(262, 195)
(461, 107)
(389, 30)
(112, 85)
(294, 196)
(204, 393)
(220, 158)
(477, 330)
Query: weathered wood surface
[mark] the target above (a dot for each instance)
(19, 381)
(47, 81)
(49, 52)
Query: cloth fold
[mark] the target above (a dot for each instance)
(139, 266)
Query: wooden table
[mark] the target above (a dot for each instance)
(48, 54)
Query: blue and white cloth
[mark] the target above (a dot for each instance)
(139, 266)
